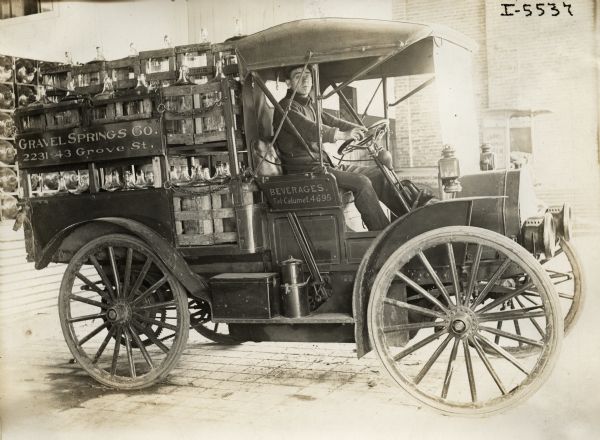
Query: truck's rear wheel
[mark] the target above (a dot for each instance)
(127, 324)
(200, 320)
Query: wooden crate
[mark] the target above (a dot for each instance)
(199, 60)
(158, 65)
(179, 110)
(102, 112)
(206, 215)
(66, 114)
(223, 216)
(133, 107)
(124, 72)
(89, 78)
(55, 78)
(31, 120)
(195, 113)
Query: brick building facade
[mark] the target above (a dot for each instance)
(537, 62)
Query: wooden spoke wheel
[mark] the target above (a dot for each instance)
(435, 310)
(123, 314)
(566, 275)
(200, 320)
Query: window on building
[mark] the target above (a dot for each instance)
(20, 8)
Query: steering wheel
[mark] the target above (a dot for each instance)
(374, 133)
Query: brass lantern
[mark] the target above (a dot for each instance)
(487, 158)
(449, 170)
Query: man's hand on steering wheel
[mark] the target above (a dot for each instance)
(356, 134)
(375, 131)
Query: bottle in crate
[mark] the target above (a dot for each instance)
(27, 95)
(83, 182)
(62, 183)
(49, 182)
(8, 180)
(35, 180)
(6, 68)
(7, 97)
(7, 125)
(7, 152)
(26, 71)
(9, 207)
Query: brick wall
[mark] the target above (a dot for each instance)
(522, 62)
(418, 135)
(547, 63)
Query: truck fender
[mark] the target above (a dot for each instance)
(447, 213)
(168, 254)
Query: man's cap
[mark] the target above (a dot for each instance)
(286, 72)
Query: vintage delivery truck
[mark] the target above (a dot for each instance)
(166, 200)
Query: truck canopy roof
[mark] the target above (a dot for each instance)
(343, 46)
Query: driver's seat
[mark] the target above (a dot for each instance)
(268, 164)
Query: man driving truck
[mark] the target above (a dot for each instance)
(368, 184)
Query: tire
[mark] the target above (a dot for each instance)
(200, 320)
(109, 297)
(405, 327)
(566, 274)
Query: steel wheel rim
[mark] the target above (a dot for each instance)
(201, 321)
(459, 330)
(569, 283)
(121, 344)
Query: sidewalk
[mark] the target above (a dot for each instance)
(275, 390)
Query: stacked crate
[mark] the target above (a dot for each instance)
(19, 88)
(206, 215)
(124, 72)
(55, 78)
(197, 60)
(89, 78)
(195, 113)
(159, 67)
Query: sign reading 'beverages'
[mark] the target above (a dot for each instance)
(301, 193)
(120, 140)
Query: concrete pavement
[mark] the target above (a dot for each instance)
(276, 390)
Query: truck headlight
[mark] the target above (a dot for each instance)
(539, 235)
(563, 219)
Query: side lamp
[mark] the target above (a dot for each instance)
(449, 170)
(487, 158)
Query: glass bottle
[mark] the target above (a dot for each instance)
(205, 173)
(116, 180)
(196, 176)
(183, 76)
(129, 180)
(219, 67)
(203, 35)
(150, 178)
(107, 182)
(62, 183)
(173, 174)
(84, 181)
(184, 177)
(99, 54)
(142, 86)
(140, 180)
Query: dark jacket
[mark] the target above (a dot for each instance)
(293, 154)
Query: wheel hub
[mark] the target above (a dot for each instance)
(463, 322)
(119, 313)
